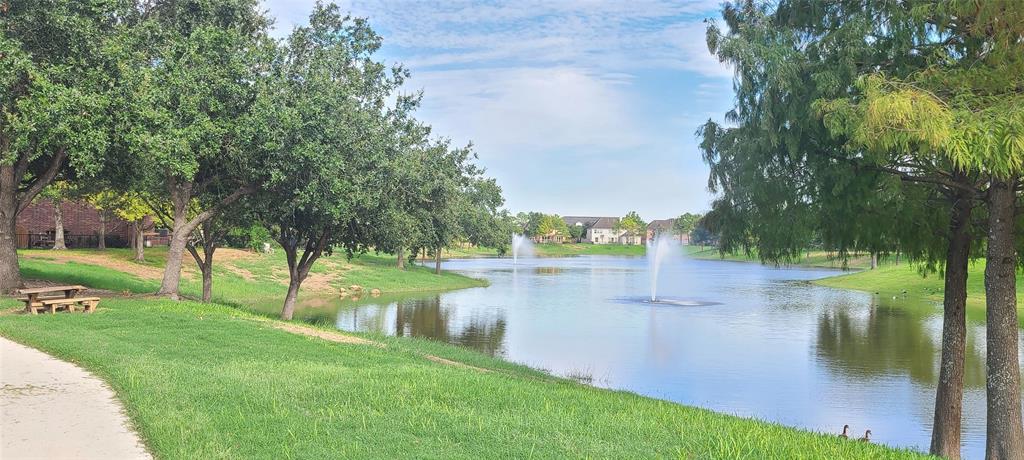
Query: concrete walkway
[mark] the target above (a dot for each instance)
(55, 410)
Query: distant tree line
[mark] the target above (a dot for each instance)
(190, 111)
(538, 224)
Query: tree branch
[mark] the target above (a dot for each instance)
(43, 180)
(224, 202)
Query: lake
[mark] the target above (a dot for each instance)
(763, 342)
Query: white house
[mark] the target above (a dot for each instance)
(601, 230)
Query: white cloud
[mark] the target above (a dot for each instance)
(531, 110)
(561, 92)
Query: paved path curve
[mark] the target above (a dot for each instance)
(53, 409)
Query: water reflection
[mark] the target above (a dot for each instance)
(882, 340)
(428, 317)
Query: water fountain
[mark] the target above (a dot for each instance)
(521, 246)
(658, 250)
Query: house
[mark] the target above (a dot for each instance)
(81, 222)
(665, 227)
(601, 230)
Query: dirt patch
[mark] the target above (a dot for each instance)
(232, 254)
(241, 272)
(338, 337)
(109, 261)
(329, 336)
(438, 359)
(320, 283)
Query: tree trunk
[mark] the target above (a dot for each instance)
(298, 268)
(12, 201)
(181, 197)
(437, 261)
(874, 260)
(297, 271)
(205, 264)
(289, 300)
(102, 243)
(401, 258)
(950, 389)
(1005, 436)
(58, 226)
(139, 244)
(10, 272)
(172, 271)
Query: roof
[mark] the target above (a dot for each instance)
(661, 225)
(606, 222)
(585, 221)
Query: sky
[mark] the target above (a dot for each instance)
(575, 107)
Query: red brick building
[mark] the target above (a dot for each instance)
(35, 226)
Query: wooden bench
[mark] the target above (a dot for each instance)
(88, 304)
(54, 297)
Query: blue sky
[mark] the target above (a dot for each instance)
(575, 107)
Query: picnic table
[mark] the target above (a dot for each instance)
(56, 297)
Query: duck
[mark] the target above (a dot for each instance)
(867, 436)
(844, 434)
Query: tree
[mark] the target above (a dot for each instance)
(449, 172)
(211, 234)
(320, 118)
(551, 226)
(685, 224)
(126, 206)
(483, 222)
(53, 117)
(631, 223)
(58, 192)
(966, 108)
(788, 177)
(577, 232)
(189, 92)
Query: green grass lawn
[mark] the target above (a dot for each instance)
(245, 278)
(820, 259)
(906, 280)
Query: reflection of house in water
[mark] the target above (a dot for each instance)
(548, 270)
(889, 341)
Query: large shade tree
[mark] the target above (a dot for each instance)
(188, 94)
(57, 66)
(787, 180)
(968, 108)
(322, 119)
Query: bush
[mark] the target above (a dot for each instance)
(248, 237)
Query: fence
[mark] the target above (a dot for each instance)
(45, 241)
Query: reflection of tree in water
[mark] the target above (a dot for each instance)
(890, 340)
(425, 317)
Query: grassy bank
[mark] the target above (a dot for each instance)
(239, 276)
(210, 381)
(817, 259)
(906, 281)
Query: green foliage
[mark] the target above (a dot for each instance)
(790, 179)
(551, 225)
(686, 223)
(188, 91)
(631, 223)
(250, 237)
(320, 121)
